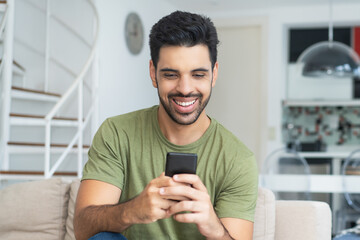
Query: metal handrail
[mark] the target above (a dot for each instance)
(6, 82)
(84, 70)
(77, 84)
(71, 144)
(3, 21)
(2, 26)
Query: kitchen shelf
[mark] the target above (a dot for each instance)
(320, 103)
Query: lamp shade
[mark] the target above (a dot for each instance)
(329, 59)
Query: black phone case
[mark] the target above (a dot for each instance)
(177, 163)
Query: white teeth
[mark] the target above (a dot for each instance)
(185, 104)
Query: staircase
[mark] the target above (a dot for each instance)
(42, 133)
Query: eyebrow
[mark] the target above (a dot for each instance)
(168, 70)
(173, 70)
(200, 70)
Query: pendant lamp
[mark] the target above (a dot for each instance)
(329, 58)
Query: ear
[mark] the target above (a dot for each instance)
(152, 71)
(215, 74)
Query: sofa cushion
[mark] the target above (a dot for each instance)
(70, 218)
(264, 224)
(298, 220)
(264, 227)
(34, 210)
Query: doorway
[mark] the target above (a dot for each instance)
(239, 98)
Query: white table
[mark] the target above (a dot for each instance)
(318, 183)
(315, 183)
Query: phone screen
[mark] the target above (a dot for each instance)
(177, 163)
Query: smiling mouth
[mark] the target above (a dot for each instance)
(185, 104)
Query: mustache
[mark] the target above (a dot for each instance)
(171, 95)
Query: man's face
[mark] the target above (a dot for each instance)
(184, 80)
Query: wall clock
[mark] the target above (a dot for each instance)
(134, 33)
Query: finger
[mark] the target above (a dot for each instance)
(159, 210)
(161, 214)
(188, 206)
(166, 204)
(163, 208)
(187, 212)
(186, 217)
(180, 192)
(177, 197)
(162, 181)
(192, 179)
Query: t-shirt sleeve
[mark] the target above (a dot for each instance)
(105, 163)
(238, 195)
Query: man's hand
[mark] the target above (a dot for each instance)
(150, 206)
(97, 209)
(198, 204)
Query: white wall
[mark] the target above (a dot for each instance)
(124, 82)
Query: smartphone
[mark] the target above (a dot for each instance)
(180, 163)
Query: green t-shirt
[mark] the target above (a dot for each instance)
(130, 150)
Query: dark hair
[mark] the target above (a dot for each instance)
(183, 29)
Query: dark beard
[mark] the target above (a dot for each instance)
(172, 114)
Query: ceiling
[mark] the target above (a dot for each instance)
(233, 5)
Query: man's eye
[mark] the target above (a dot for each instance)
(170, 75)
(198, 75)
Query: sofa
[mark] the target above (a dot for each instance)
(44, 209)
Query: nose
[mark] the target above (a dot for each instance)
(184, 85)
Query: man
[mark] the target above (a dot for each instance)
(124, 189)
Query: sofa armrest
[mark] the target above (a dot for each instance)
(264, 224)
(302, 220)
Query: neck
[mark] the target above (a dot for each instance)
(182, 134)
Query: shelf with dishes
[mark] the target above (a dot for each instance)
(321, 123)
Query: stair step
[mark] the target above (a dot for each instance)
(16, 64)
(38, 120)
(57, 145)
(31, 94)
(32, 175)
(2, 6)
(39, 148)
(35, 91)
(40, 116)
(38, 173)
